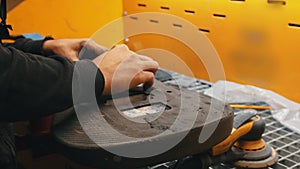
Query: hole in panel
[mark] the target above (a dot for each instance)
(134, 18)
(164, 8)
(189, 11)
(177, 25)
(277, 2)
(153, 21)
(294, 25)
(142, 5)
(219, 15)
(204, 30)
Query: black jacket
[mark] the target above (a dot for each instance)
(34, 84)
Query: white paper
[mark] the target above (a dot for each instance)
(284, 110)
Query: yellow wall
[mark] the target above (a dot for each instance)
(254, 40)
(63, 18)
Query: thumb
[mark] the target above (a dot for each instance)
(147, 78)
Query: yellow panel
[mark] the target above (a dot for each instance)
(169, 61)
(63, 18)
(256, 40)
(253, 37)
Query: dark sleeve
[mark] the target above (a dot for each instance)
(30, 46)
(33, 86)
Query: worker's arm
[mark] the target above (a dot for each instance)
(33, 86)
(30, 46)
(74, 49)
(68, 48)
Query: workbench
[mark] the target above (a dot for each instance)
(285, 141)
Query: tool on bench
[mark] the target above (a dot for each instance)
(246, 144)
(158, 115)
(235, 141)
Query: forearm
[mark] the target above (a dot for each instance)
(31, 46)
(33, 86)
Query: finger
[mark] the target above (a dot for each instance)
(145, 77)
(148, 84)
(149, 80)
(151, 66)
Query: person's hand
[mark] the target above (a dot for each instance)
(70, 48)
(123, 69)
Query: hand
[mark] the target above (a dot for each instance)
(70, 48)
(124, 69)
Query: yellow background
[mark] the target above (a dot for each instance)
(63, 18)
(254, 40)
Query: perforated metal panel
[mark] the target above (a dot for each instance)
(256, 39)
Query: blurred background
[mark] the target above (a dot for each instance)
(257, 40)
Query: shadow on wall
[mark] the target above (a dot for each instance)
(13, 3)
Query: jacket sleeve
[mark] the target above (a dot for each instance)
(30, 46)
(33, 86)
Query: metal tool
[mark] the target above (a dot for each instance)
(244, 147)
